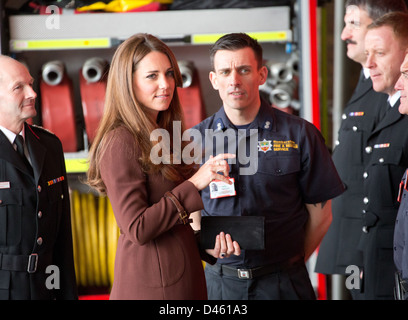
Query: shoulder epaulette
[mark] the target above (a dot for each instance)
(42, 128)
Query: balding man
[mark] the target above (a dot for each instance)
(36, 259)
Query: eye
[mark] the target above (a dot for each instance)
(151, 76)
(170, 73)
(356, 24)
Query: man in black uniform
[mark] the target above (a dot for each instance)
(339, 248)
(289, 180)
(387, 149)
(401, 223)
(36, 259)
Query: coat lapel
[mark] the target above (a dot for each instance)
(363, 86)
(392, 116)
(10, 155)
(36, 150)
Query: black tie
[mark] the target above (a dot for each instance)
(19, 141)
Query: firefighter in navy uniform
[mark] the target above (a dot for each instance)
(35, 226)
(291, 186)
(339, 248)
(401, 223)
(388, 152)
(386, 43)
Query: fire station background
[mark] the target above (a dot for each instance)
(67, 47)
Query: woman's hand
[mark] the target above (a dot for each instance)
(224, 247)
(216, 168)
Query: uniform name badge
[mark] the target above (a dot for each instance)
(220, 189)
(5, 185)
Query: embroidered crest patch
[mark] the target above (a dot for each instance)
(265, 145)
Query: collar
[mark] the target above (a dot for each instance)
(394, 98)
(265, 119)
(11, 136)
(366, 72)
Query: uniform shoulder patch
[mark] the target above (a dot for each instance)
(42, 129)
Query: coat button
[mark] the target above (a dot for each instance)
(368, 150)
(40, 241)
(39, 214)
(355, 129)
(365, 229)
(1, 201)
(365, 200)
(381, 160)
(365, 175)
(39, 188)
(344, 117)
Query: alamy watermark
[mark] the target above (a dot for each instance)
(353, 281)
(53, 280)
(52, 22)
(353, 19)
(214, 142)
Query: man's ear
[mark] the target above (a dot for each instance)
(213, 80)
(264, 75)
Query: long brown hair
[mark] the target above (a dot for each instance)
(122, 109)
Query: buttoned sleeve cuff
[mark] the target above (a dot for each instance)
(188, 196)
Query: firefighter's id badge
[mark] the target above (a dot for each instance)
(220, 189)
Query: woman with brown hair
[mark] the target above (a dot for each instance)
(157, 255)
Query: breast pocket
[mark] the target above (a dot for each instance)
(10, 216)
(55, 205)
(352, 136)
(55, 192)
(350, 148)
(279, 166)
(385, 164)
(278, 175)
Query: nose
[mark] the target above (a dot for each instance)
(30, 93)
(164, 82)
(345, 34)
(235, 78)
(370, 63)
(399, 85)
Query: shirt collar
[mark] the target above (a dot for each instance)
(394, 98)
(366, 72)
(265, 119)
(11, 136)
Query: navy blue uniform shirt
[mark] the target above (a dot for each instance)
(292, 167)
